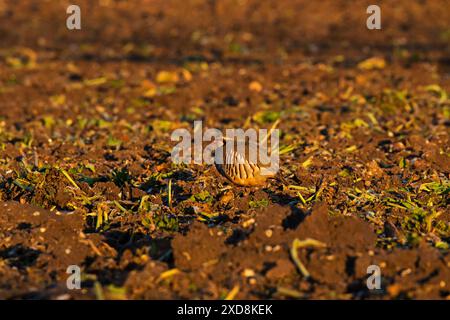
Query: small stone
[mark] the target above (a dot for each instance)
(406, 272)
(248, 273)
(248, 223)
(394, 290)
(167, 76)
(255, 86)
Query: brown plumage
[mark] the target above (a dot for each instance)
(238, 167)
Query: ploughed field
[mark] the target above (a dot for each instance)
(86, 176)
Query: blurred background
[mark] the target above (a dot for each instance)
(215, 29)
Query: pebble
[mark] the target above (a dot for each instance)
(248, 223)
(255, 86)
(248, 273)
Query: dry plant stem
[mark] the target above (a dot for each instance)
(297, 244)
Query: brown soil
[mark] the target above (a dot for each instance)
(85, 124)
